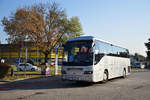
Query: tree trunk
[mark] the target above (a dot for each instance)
(46, 57)
(43, 69)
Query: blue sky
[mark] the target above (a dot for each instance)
(122, 22)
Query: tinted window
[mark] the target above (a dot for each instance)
(78, 53)
(102, 48)
(115, 51)
(22, 64)
(99, 51)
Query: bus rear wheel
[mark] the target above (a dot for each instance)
(124, 73)
(105, 76)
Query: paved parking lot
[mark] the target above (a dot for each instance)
(135, 87)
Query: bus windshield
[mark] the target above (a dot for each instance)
(78, 53)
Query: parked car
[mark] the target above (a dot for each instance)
(27, 66)
(139, 65)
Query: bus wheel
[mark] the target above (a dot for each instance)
(124, 73)
(105, 76)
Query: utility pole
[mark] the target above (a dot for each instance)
(26, 57)
(56, 60)
(19, 53)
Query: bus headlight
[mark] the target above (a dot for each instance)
(88, 72)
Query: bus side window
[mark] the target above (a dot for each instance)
(98, 53)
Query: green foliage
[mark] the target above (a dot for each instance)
(4, 69)
(74, 29)
(148, 49)
(138, 57)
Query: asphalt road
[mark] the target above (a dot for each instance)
(135, 87)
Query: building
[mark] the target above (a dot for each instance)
(13, 52)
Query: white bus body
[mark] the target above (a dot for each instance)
(93, 60)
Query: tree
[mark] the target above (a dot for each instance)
(148, 49)
(75, 29)
(139, 57)
(44, 25)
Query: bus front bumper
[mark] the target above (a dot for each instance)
(87, 78)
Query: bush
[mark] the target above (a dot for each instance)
(4, 69)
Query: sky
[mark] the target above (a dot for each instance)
(122, 22)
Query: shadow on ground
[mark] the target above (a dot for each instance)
(51, 82)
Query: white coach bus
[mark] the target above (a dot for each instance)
(90, 59)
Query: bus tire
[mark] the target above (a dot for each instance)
(105, 76)
(124, 74)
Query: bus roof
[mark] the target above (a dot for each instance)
(90, 38)
(81, 38)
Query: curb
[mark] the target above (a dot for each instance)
(22, 79)
(141, 70)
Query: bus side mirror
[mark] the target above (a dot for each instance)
(93, 45)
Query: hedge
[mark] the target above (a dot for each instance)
(4, 69)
